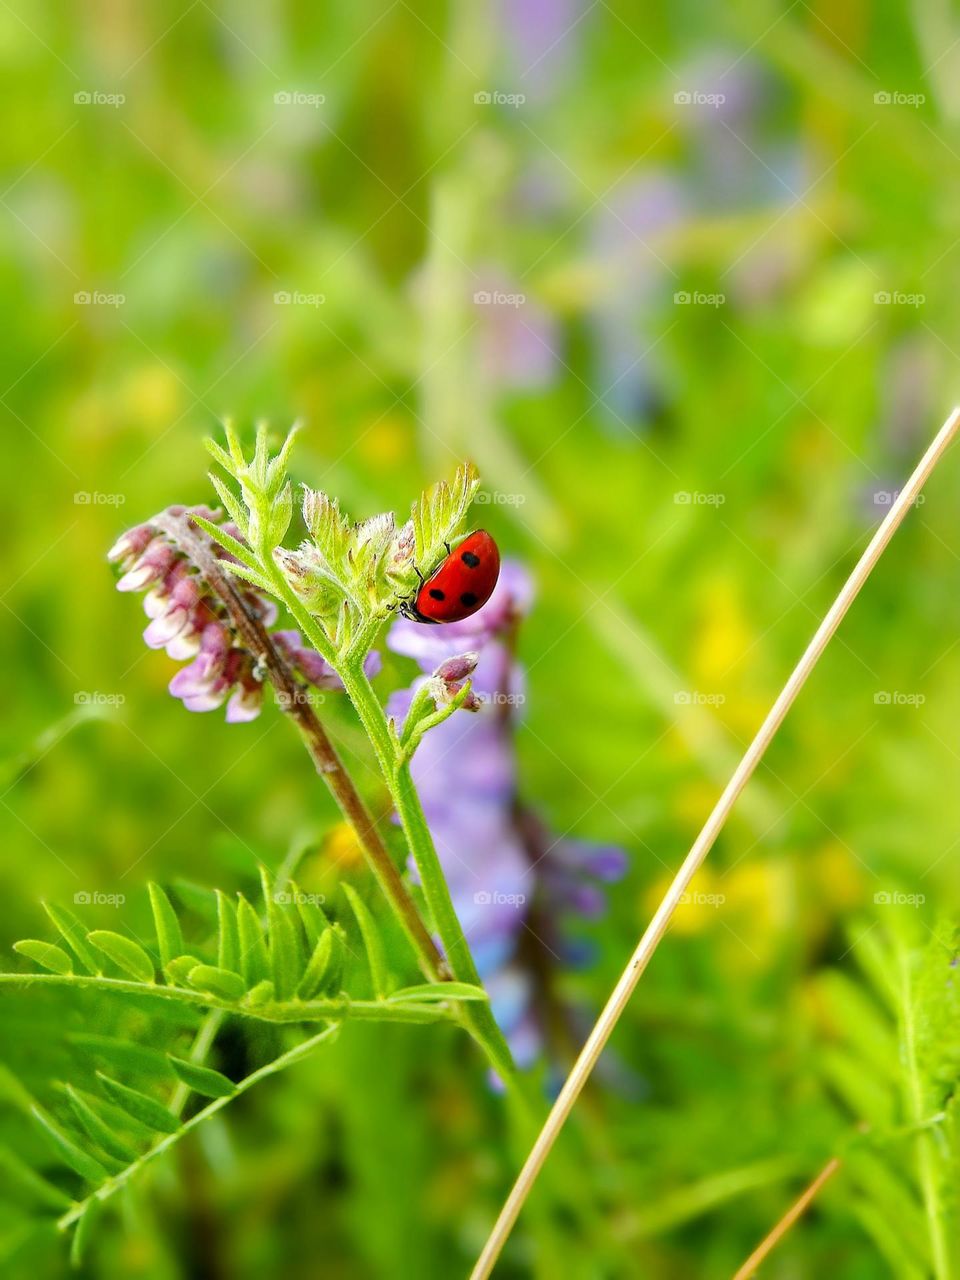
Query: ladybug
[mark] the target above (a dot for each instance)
(460, 585)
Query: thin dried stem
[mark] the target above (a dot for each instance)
(701, 847)
(799, 1206)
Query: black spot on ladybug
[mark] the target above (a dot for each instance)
(470, 560)
(468, 599)
(437, 594)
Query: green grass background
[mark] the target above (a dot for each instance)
(198, 198)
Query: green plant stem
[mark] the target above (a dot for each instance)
(112, 1185)
(926, 1150)
(296, 705)
(479, 1021)
(330, 1010)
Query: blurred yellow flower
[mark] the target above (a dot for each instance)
(341, 847)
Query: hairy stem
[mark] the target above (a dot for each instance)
(333, 1009)
(294, 702)
(478, 1020)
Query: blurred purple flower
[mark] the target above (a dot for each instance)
(502, 868)
(189, 622)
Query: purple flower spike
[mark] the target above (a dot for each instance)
(512, 883)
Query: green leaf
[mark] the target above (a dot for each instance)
(169, 937)
(228, 543)
(324, 973)
(98, 1129)
(178, 969)
(78, 1159)
(140, 1105)
(202, 1080)
(234, 507)
(219, 982)
(253, 950)
(372, 942)
(311, 914)
(428, 991)
(83, 1231)
(284, 951)
(15, 1171)
(46, 954)
(74, 933)
(125, 953)
(261, 994)
(228, 942)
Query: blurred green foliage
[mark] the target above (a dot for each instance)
(689, 482)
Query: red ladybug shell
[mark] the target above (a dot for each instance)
(462, 583)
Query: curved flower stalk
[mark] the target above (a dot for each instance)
(513, 884)
(173, 550)
(339, 587)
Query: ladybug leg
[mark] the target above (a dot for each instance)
(447, 545)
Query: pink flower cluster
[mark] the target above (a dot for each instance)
(189, 622)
